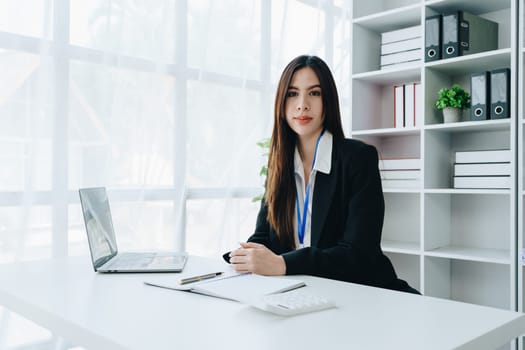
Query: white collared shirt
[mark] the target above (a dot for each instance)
(322, 163)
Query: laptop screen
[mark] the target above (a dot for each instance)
(99, 226)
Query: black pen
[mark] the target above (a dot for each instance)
(199, 278)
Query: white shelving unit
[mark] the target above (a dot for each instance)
(449, 243)
(520, 198)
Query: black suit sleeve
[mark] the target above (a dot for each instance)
(357, 256)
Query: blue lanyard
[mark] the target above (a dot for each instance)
(301, 224)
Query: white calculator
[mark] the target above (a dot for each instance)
(292, 303)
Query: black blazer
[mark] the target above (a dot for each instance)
(347, 218)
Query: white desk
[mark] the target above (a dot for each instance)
(117, 311)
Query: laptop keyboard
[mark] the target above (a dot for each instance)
(142, 260)
(130, 261)
(159, 260)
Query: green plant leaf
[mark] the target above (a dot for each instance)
(264, 144)
(454, 96)
(257, 198)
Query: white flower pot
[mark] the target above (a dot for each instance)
(452, 114)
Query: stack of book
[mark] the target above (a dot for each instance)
(482, 169)
(408, 105)
(402, 47)
(400, 172)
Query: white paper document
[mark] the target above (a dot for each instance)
(238, 287)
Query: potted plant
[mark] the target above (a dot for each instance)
(452, 101)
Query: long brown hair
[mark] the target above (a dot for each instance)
(280, 183)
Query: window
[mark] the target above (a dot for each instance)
(162, 102)
(158, 101)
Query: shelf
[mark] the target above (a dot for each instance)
(465, 191)
(470, 126)
(401, 190)
(391, 76)
(387, 132)
(497, 256)
(400, 247)
(473, 6)
(398, 18)
(479, 62)
(438, 236)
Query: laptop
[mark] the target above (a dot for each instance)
(103, 244)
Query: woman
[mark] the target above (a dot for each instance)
(323, 208)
